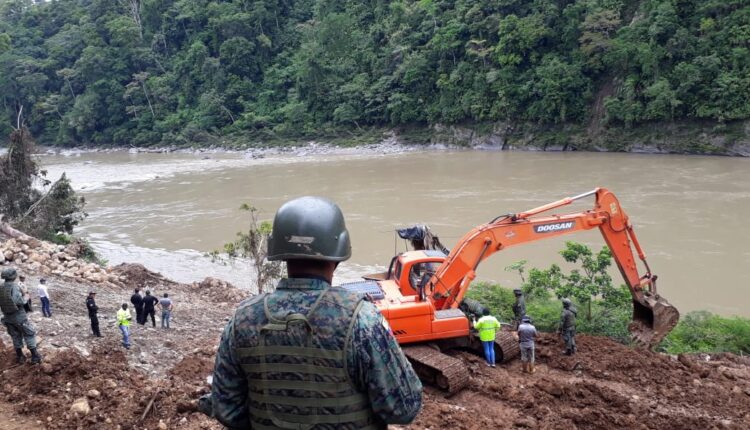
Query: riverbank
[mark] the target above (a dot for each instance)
(94, 383)
(696, 138)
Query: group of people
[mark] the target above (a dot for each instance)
(488, 325)
(15, 303)
(145, 306)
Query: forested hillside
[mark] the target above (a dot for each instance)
(147, 72)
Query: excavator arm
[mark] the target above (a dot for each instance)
(653, 316)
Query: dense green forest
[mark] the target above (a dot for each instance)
(146, 72)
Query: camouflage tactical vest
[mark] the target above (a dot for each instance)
(296, 365)
(6, 299)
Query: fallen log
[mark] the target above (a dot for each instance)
(9, 231)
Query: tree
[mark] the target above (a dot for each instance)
(252, 244)
(39, 214)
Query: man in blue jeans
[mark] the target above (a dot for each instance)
(166, 310)
(44, 297)
(123, 322)
(487, 327)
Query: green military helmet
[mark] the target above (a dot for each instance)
(310, 228)
(9, 274)
(566, 303)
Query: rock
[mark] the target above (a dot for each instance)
(162, 425)
(183, 421)
(110, 383)
(726, 423)
(93, 394)
(527, 422)
(47, 369)
(80, 406)
(8, 255)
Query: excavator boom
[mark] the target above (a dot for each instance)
(653, 316)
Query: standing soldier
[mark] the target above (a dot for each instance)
(519, 307)
(14, 318)
(487, 327)
(137, 300)
(310, 355)
(93, 310)
(568, 327)
(526, 337)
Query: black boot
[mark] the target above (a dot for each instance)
(20, 358)
(35, 357)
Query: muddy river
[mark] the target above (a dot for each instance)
(168, 210)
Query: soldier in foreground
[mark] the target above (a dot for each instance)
(568, 326)
(309, 355)
(15, 319)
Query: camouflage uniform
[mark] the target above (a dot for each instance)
(519, 309)
(14, 316)
(360, 378)
(568, 329)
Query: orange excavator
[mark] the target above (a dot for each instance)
(421, 295)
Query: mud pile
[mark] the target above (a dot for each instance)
(102, 391)
(606, 385)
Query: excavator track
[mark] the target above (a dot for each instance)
(448, 373)
(507, 344)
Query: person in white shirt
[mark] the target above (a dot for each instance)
(44, 297)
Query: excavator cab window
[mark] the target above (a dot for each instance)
(420, 274)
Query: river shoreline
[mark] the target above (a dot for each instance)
(694, 138)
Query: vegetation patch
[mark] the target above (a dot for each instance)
(603, 308)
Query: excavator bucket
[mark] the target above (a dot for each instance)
(653, 319)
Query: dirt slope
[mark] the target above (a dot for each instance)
(606, 385)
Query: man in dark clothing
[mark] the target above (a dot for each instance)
(93, 309)
(519, 307)
(137, 300)
(149, 308)
(568, 326)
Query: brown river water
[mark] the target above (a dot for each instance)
(167, 210)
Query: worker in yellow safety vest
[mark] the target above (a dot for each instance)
(123, 322)
(487, 327)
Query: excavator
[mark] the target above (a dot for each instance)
(422, 293)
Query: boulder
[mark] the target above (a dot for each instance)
(80, 406)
